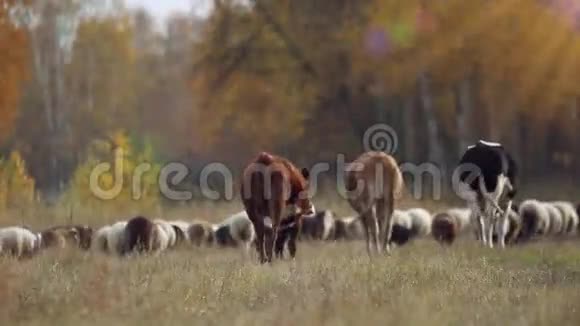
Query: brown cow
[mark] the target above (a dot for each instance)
(269, 184)
(374, 182)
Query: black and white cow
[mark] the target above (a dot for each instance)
(487, 181)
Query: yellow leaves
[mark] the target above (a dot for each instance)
(122, 155)
(17, 188)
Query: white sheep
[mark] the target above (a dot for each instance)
(161, 238)
(402, 227)
(99, 242)
(402, 218)
(181, 228)
(556, 219)
(116, 237)
(535, 219)
(569, 215)
(19, 242)
(235, 231)
(421, 221)
(169, 231)
(463, 219)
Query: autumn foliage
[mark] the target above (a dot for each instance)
(13, 68)
(304, 79)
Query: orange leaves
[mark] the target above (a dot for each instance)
(13, 62)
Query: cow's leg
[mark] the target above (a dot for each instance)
(258, 222)
(488, 222)
(259, 227)
(503, 225)
(477, 220)
(276, 209)
(481, 229)
(385, 216)
(364, 217)
(490, 227)
(269, 240)
(374, 230)
(292, 243)
(280, 242)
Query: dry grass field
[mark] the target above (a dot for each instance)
(328, 284)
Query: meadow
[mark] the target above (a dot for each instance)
(328, 283)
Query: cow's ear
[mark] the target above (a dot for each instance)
(305, 173)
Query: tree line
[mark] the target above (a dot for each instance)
(304, 79)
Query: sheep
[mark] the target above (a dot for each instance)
(200, 232)
(235, 231)
(99, 241)
(463, 218)
(161, 238)
(421, 221)
(556, 219)
(116, 237)
(511, 228)
(569, 216)
(348, 228)
(535, 219)
(515, 226)
(444, 228)
(448, 225)
(169, 230)
(19, 242)
(140, 234)
(85, 235)
(402, 227)
(318, 227)
(59, 237)
(181, 230)
(63, 235)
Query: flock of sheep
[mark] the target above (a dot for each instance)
(530, 220)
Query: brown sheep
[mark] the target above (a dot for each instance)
(444, 228)
(59, 237)
(139, 236)
(200, 233)
(69, 235)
